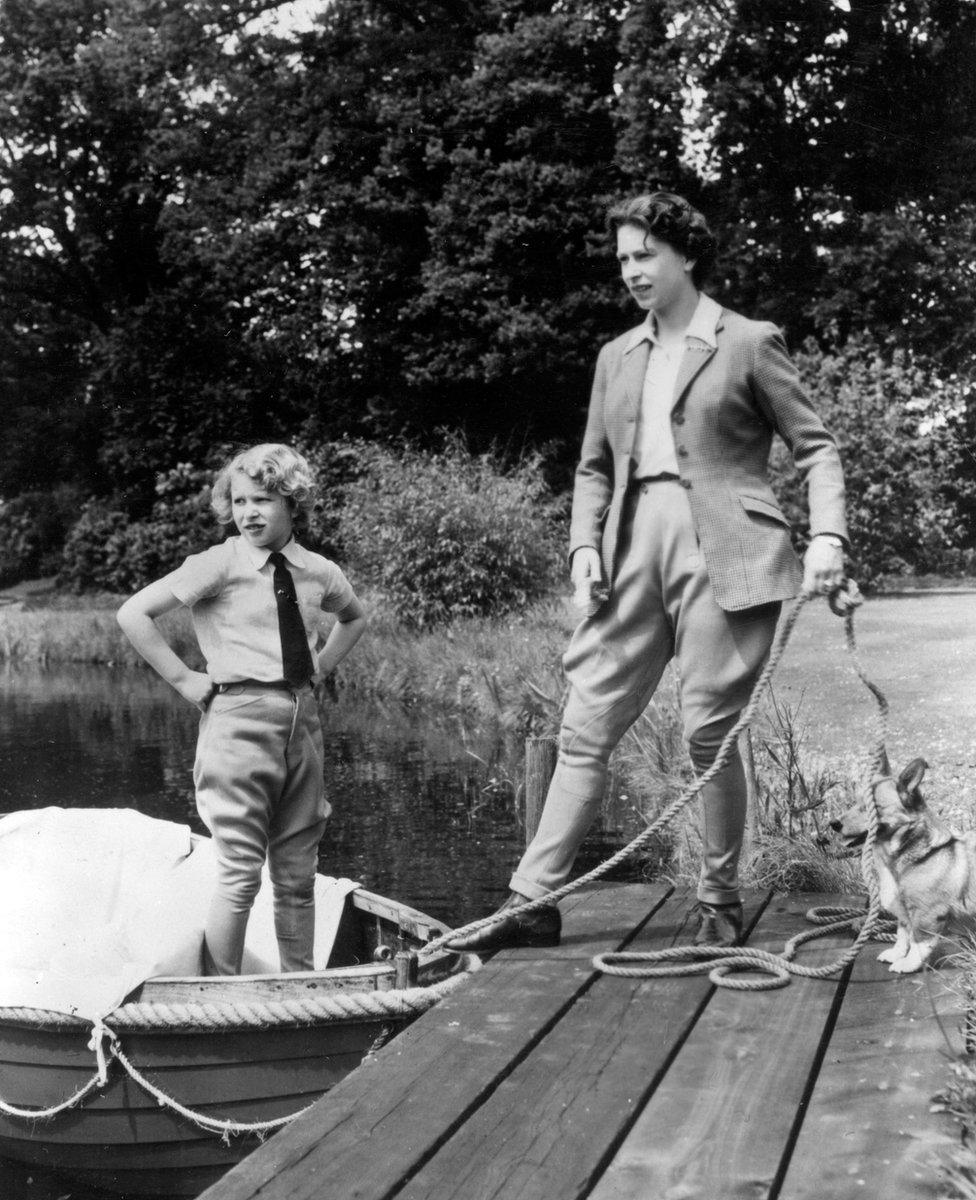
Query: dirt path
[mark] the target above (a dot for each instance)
(921, 652)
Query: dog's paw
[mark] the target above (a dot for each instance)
(914, 960)
(907, 965)
(892, 954)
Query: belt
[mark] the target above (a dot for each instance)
(275, 684)
(638, 485)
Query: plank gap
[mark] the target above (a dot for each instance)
(601, 1167)
(812, 1076)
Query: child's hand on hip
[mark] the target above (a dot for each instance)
(198, 688)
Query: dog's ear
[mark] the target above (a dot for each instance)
(909, 781)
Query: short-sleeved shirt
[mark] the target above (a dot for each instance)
(229, 592)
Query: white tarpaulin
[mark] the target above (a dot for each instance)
(95, 901)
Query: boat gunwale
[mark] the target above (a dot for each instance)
(125, 1016)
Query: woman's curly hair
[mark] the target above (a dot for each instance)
(276, 468)
(672, 219)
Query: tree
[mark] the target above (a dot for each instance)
(142, 181)
(518, 286)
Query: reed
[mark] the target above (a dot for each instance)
(54, 635)
(504, 669)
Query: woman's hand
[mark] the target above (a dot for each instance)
(589, 591)
(823, 566)
(585, 567)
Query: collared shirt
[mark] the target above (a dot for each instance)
(230, 594)
(653, 441)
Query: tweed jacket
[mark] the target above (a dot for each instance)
(728, 403)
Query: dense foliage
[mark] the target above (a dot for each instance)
(215, 228)
(107, 551)
(901, 451)
(444, 533)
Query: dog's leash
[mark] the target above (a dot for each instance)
(720, 961)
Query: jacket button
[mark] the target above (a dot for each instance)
(678, 419)
(682, 452)
(685, 483)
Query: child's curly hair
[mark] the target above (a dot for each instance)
(277, 468)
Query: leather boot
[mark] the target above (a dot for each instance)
(541, 927)
(718, 924)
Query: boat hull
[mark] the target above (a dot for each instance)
(122, 1140)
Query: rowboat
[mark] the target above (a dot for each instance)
(185, 1060)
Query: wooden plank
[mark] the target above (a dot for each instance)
(869, 1129)
(547, 1129)
(381, 1123)
(719, 1122)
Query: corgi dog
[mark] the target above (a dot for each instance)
(925, 870)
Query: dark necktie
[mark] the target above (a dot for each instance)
(295, 657)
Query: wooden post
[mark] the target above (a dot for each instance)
(406, 966)
(540, 762)
(752, 794)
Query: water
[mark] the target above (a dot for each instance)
(424, 811)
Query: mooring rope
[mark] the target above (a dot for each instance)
(260, 1014)
(393, 1004)
(719, 962)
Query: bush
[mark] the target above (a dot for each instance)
(901, 456)
(447, 534)
(33, 527)
(105, 551)
(336, 465)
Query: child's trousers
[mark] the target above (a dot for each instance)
(261, 793)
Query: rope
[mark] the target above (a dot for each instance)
(44, 1114)
(305, 1010)
(210, 1124)
(720, 962)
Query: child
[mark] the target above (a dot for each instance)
(259, 762)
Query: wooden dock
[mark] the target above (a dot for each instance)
(543, 1079)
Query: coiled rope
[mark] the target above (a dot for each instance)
(720, 962)
(393, 1004)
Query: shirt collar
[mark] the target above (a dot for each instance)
(702, 326)
(259, 555)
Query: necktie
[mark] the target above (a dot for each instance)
(295, 657)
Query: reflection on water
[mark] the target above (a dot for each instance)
(423, 811)
(411, 816)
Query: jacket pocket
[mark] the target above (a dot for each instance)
(759, 506)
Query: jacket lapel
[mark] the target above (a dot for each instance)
(632, 374)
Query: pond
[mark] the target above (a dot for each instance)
(425, 810)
